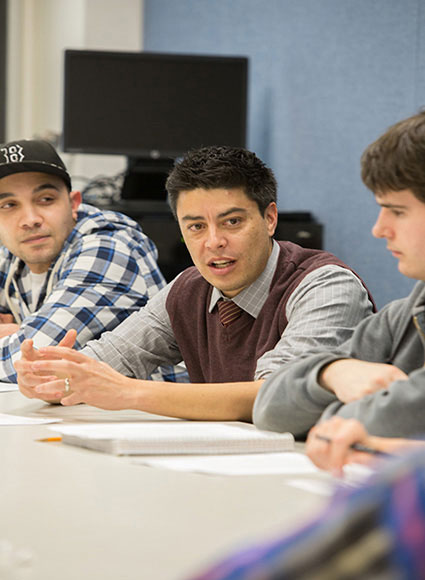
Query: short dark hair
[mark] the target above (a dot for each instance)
(222, 167)
(396, 161)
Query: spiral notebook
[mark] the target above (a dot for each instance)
(174, 437)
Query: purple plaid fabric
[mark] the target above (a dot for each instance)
(374, 532)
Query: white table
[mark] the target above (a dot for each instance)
(88, 515)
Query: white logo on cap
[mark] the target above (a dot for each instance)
(13, 153)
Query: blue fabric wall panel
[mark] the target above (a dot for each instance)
(326, 78)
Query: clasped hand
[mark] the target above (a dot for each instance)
(352, 379)
(41, 375)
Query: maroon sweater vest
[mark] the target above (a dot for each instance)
(214, 353)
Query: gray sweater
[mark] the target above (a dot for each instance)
(292, 400)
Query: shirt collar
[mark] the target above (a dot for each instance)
(252, 299)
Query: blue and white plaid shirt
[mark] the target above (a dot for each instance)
(106, 271)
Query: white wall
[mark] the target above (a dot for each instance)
(38, 33)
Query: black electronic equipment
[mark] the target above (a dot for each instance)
(152, 108)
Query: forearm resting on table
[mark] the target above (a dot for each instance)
(198, 401)
(96, 383)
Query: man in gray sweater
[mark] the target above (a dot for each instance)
(377, 376)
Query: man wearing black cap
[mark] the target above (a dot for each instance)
(63, 265)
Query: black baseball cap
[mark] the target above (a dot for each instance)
(32, 155)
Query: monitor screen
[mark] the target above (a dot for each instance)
(152, 105)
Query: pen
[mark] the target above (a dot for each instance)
(358, 447)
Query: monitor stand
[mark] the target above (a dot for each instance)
(145, 179)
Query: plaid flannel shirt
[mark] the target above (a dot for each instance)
(106, 271)
(374, 532)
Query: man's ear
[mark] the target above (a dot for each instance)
(271, 216)
(76, 199)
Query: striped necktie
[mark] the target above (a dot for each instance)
(228, 311)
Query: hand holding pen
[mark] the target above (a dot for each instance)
(358, 447)
(334, 443)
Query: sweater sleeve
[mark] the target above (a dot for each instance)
(394, 412)
(292, 400)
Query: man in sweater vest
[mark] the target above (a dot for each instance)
(249, 305)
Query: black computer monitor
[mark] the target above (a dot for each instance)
(152, 108)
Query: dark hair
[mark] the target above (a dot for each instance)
(396, 161)
(222, 167)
